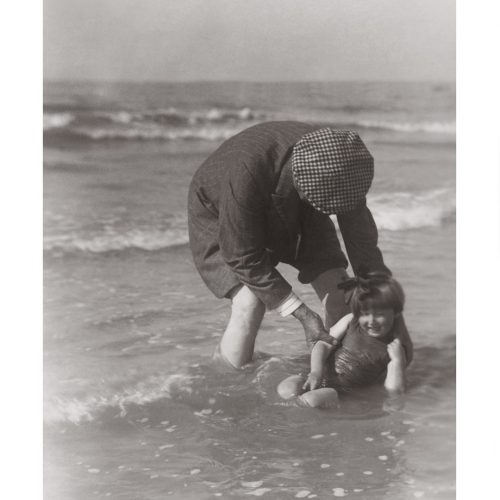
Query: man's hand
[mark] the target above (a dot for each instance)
(313, 381)
(312, 324)
(396, 352)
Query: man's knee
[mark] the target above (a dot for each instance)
(245, 302)
(238, 342)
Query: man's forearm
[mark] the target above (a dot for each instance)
(360, 235)
(311, 322)
(303, 313)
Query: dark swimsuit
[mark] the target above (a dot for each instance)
(360, 360)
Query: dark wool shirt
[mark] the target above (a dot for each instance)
(245, 216)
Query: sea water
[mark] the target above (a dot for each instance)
(133, 406)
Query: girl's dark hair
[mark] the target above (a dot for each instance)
(377, 290)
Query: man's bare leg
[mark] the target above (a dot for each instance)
(237, 344)
(333, 299)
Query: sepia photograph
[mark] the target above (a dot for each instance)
(249, 249)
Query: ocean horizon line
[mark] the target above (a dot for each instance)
(231, 81)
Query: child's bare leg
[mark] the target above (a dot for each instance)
(291, 387)
(326, 397)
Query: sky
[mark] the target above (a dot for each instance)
(249, 40)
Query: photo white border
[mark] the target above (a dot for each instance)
(478, 248)
(21, 250)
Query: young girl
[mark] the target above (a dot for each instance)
(361, 348)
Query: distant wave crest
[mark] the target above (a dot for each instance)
(430, 127)
(168, 124)
(211, 124)
(174, 116)
(57, 120)
(154, 133)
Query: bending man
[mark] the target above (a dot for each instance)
(264, 197)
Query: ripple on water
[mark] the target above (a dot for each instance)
(258, 492)
(251, 484)
(302, 494)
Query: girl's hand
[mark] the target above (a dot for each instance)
(396, 351)
(313, 381)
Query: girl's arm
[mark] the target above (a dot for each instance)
(339, 329)
(322, 350)
(319, 355)
(395, 379)
(401, 332)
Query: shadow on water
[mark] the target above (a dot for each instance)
(433, 366)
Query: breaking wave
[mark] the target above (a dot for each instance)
(211, 124)
(430, 127)
(397, 211)
(79, 410)
(143, 239)
(403, 210)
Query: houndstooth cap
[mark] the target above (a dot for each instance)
(333, 169)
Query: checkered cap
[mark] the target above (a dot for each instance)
(333, 169)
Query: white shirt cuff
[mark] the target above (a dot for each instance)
(289, 305)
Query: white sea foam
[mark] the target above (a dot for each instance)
(143, 239)
(148, 133)
(166, 124)
(213, 124)
(393, 212)
(56, 120)
(434, 127)
(403, 210)
(193, 117)
(118, 116)
(76, 411)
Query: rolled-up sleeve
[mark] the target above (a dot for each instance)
(242, 237)
(360, 236)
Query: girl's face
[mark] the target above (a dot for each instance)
(376, 322)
